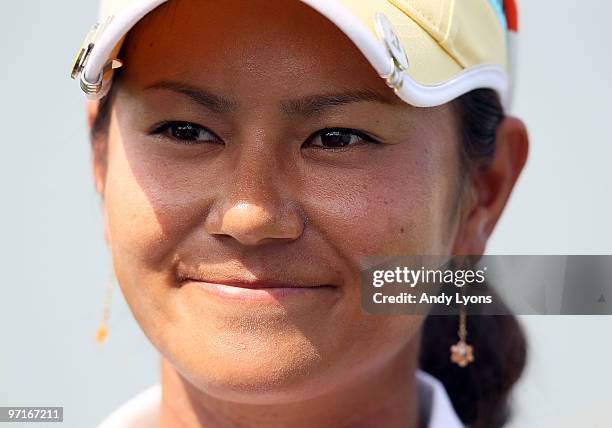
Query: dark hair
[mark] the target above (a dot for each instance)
(479, 112)
(479, 392)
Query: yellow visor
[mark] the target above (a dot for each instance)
(429, 51)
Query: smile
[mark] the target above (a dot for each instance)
(259, 290)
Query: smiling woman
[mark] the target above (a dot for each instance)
(249, 155)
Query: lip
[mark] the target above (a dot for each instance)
(258, 290)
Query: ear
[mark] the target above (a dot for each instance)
(98, 163)
(491, 188)
(98, 167)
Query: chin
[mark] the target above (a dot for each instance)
(256, 373)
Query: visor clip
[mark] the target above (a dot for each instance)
(395, 49)
(83, 54)
(96, 87)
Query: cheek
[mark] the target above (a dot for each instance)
(147, 213)
(135, 230)
(151, 204)
(397, 207)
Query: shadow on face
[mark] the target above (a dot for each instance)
(251, 141)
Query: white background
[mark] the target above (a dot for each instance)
(54, 264)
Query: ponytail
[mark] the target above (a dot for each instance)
(479, 392)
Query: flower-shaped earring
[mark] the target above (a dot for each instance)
(462, 354)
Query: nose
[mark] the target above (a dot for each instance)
(256, 208)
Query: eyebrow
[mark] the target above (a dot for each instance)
(206, 99)
(306, 106)
(318, 103)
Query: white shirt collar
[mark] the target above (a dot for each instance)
(142, 410)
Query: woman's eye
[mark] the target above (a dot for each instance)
(186, 133)
(338, 138)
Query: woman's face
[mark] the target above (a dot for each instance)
(252, 142)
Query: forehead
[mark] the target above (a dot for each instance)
(274, 45)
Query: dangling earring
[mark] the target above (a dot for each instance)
(462, 354)
(102, 331)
